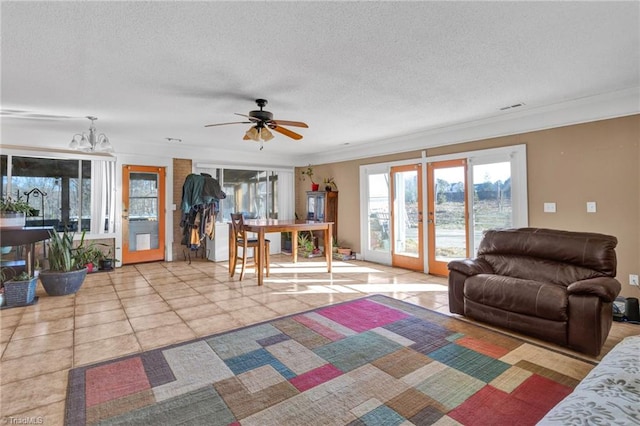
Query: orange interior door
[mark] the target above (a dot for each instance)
(143, 214)
(447, 215)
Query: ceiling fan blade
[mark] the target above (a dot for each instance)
(224, 124)
(290, 123)
(286, 132)
(253, 119)
(246, 138)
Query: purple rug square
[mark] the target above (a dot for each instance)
(362, 315)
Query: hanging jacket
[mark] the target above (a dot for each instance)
(201, 195)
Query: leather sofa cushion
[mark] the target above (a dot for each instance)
(537, 269)
(583, 249)
(525, 297)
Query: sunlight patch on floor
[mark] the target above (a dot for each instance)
(414, 288)
(305, 280)
(317, 289)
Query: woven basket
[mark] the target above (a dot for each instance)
(20, 293)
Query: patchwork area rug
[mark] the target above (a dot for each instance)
(372, 361)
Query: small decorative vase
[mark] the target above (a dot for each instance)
(315, 186)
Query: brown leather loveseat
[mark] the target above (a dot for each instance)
(554, 285)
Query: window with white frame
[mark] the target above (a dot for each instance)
(71, 194)
(256, 193)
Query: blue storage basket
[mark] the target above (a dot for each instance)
(20, 293)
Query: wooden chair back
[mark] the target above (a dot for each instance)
(237, 224)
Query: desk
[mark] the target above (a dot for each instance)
(24, 236)
(262, 226)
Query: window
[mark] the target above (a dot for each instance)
(491, 198)
(254, 193)
(67, 194)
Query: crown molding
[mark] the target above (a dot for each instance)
(592, 108)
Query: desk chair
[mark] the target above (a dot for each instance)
(240, 235)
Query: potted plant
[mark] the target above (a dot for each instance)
(66, 271)
(330, 185)
(305, 244)
(309, 172)
(89, 256)
(107, 262)
(20, 290)
(13, 212)
(94, 257)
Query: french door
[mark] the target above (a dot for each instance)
(447, 215)
(406, 217)
(143, 214)
(392, 223)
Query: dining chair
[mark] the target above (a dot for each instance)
(242, 241)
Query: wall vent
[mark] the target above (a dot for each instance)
(512, 106)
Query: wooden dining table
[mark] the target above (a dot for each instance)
(264, 226)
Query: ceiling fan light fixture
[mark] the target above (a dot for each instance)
(253, 134)
(263, 123)
(265, 134)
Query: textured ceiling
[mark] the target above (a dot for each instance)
(359, 73)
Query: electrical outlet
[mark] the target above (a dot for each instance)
(633, 279)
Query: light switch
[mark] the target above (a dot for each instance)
(549, 207)
(591, 206)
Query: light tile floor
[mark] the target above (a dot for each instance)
(145, 306)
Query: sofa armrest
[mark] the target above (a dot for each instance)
(470, 267)
(605, 288)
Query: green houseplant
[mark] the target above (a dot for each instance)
(308, 172)
(306, 246)
(330, 184)
(13, 212)
(107, 261)
(66, 271)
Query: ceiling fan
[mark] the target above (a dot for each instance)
(263, 121)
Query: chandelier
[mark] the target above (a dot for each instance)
(92, 142)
